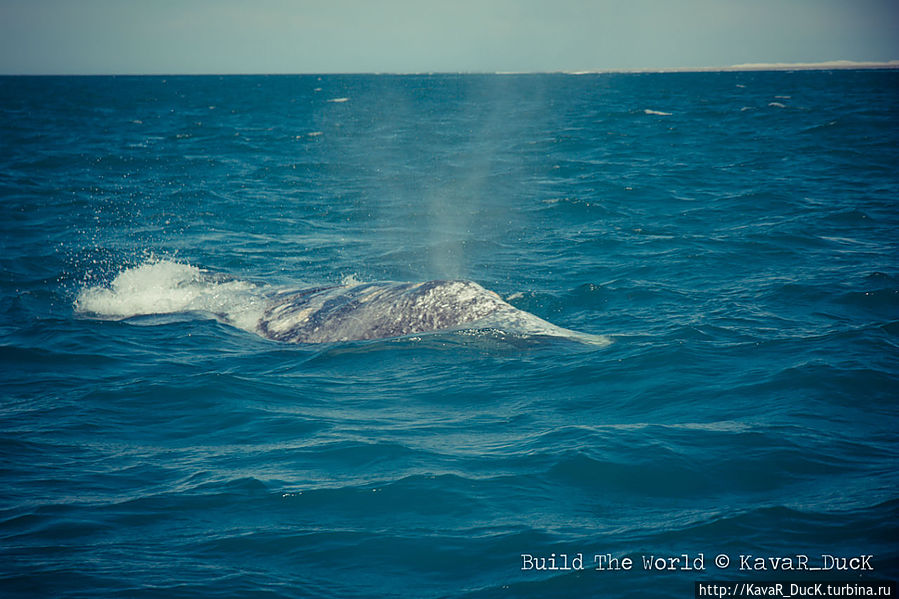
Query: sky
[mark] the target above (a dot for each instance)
(340, 36)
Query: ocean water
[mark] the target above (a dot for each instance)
(717, 250)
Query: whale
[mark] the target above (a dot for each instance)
(332, 313)
(390, 309)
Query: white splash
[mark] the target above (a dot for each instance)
(165, 287)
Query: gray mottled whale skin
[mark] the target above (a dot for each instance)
(381, 310)
(377, 310)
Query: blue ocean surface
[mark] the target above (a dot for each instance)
(699, 359)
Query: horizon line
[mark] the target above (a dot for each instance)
(745, 67)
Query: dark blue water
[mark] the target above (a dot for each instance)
(733, 234)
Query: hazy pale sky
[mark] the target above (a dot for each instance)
(325, 36)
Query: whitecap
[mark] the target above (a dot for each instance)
(338, 100)
(656, 112)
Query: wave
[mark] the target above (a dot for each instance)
(335, 313)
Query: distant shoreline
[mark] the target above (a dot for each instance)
(844, 65)
(761, 66)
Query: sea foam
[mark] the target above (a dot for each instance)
(167, 287)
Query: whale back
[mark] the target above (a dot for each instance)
(377, 310)
(314, 315)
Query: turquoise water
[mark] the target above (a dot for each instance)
(733, 235)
